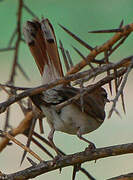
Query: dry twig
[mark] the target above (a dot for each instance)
(70, 160)
(7, 135)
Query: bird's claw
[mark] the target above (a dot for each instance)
(91, 147)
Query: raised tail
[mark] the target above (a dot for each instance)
(41, 40)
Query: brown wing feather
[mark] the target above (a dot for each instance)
(92, 102)
(91, 106)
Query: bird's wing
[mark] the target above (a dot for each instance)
(90, 105)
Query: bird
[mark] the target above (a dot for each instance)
(72, 118)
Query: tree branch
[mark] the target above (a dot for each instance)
(66, 79)
(128, 176)
(17, 41)
(125, 31)
(70, 160)
(18, 130)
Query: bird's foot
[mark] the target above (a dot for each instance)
(57, 158)
(91, 147)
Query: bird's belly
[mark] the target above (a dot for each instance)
(71, 119)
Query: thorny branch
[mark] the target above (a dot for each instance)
(23, 126)
(99, 49)
(7, 135)
(128, 176)
(41, 88)
(15, 58)
(121, 88)
(65, 79)
(70, 160)
(120, 74)
(17, 42)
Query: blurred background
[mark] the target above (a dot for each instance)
(79, 16)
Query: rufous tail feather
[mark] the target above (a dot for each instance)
(41, 40)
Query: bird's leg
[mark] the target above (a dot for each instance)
(91, 145)
(50, 138)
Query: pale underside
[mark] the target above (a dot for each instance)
(70, 120)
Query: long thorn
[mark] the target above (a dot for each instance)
(64, 56)
(29, 139)
(29, 11)
(121, 23)
(83, 57)
(69, 58)
(76, 38)
(23, 72)
(106, 31)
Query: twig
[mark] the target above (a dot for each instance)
(31, 129)
(70, 160)
(36, 142)
(106, 31)
(75, 170)
(46, 142)
(49, 154)
(41, 125)
(64, 56)
(87, 174)
(128, 176)
(108, 72)
(11, 93)
(121, 23)
(12, 38)
(123, 104)
(65, 79)
(31, 162)
(7, 49)
(120, 89)
(69, 58)
(118, 45)
(81, 55)
(17, 41)
(14, 87)
(7, 135)
(76, 38)
(29, 11)
(126, 30)
(23, 72)
(90, 89)
(23, 128)
(6, 125)
(18, 130)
